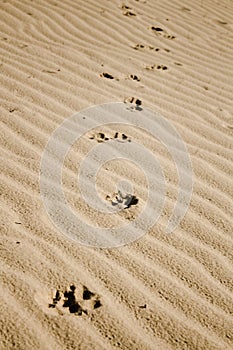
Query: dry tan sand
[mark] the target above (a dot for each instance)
(161, 291)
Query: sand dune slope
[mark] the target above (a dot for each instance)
(163, 291)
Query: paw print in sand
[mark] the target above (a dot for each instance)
(160, 31)
(122, 200)
(75, 301)
(134, 103)
(133, 77)
(101, 137)
(107, 76)
(142, 47)
(111, 77)
(160, 66)
(127, 12)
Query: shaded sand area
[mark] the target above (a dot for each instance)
(161, 291)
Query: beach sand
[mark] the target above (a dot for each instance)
(162, 291)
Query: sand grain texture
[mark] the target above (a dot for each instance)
(162, 291)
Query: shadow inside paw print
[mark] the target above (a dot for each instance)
(71, 302)
(106, 75)
(74, 302)
(125, 7)
(157, 29)
(87, 294)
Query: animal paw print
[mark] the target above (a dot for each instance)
(111, 77)
(134, 77)
(135, 103)
(101, 137)
(127, 11)
(122, 200)
(148, 47)
(75, 301)
(160, 31)
(139, 47)
(156, 67)
(122, 138)
(129, 14)
(107, 76)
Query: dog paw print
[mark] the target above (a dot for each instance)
(127, 11)
(134, 77)
(162, 67)
(108, 76)
(121, 137)
(111, 77)
(122, 200)
(135, 103)
(160, 31)
(75, 301)
(139, 47)
(101, 137)
(142, 47)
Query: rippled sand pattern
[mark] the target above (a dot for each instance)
(163, 291)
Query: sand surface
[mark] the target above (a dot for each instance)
(162, 291)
